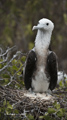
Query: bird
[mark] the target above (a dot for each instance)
(40, 69)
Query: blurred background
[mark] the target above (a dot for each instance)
(17, 18)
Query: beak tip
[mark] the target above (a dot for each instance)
(33, 28)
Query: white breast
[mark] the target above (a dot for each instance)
(40, 83)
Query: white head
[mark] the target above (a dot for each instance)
(44, 25)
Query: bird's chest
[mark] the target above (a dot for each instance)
(40, 80)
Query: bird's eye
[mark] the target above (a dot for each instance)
(47, 24)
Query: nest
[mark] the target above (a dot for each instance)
(28, 103)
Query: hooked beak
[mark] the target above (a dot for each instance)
(37, 27)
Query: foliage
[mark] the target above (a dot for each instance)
(11, 70)
(55, 112)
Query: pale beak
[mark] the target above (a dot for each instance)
(37, 27)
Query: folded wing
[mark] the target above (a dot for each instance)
(52, 69)
(29, 69)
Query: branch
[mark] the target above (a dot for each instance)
(14, 56)
(9, 49)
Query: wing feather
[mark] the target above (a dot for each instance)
(52, 68)
(29, 69)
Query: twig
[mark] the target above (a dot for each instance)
(17, 71)
(9, 49)
(14, 56)
(4, 60)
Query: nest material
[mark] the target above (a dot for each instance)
(22, 99)
(27, 103)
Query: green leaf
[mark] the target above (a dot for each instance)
(16, 111)
(7, 112)
(17, 86)
(19, 73)
(4, 103)
(14, 67)
(48, 117)
(23, 58)
(9, 106)
(61, 84)
(56, 105)
(30, 117)
(6, 80)
(41, 117)
(0, 66)
(5, 76)
(60, 113)
(14, 62)
(51, 110)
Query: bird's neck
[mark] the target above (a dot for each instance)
(42, 43)
(43, 39)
